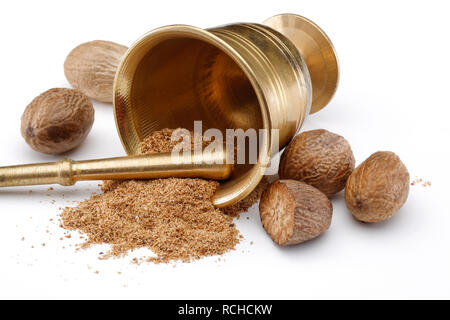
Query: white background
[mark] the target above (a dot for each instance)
(393, 95)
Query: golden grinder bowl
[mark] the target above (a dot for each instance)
(243, 75)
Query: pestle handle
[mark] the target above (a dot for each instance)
(34, 174)
(161, 165)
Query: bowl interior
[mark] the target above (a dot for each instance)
(173, 77)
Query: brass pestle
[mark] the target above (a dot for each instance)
(209, 165)
(239, 76)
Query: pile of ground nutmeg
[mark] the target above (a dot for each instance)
(174, 218)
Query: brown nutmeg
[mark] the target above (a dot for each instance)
(377, 188)
(319, 158)
(57, 121)
(293, 212)
(91, 68)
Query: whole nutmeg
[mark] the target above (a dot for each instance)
(293, 212)
(57, 121)
(319, 158)
(91, 68)
(377, 188)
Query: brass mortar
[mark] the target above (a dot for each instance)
(243, 75)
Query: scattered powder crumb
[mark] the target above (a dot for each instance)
(251, 243)
(23, 239)
(50, 189)
(43, 244)
(97, 272)
(421, 182)
(30, 191)
(173, 217)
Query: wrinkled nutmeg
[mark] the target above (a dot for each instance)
(57, 121)
(91, 68)
(377, 188)
(319, 158)
(293, 212)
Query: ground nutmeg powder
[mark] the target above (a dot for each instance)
(174, 218)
